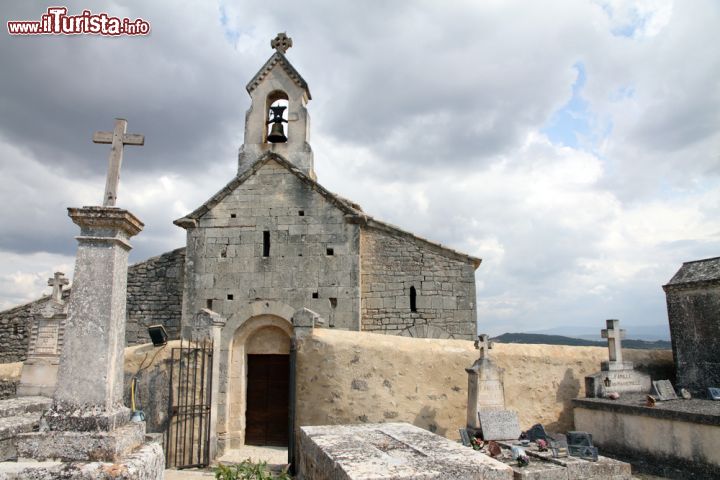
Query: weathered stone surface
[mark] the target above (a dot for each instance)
(146, 463)
(499, 424)
(18, 415)
(392, 451)
(693, 303)
(70, 446)
(90, 378)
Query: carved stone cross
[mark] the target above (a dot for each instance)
(281, 42)
(614, 335)
(483, 344)
(118, 138)
(57, 282)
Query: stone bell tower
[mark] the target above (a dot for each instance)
(268, 126)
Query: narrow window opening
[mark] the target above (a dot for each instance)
(315, 295)
(208, 303)
(266, 243)
(230, 296)
(223, 252)
(233, 215)
(333, 302)
(413, 299)
(330, 251)
(301, 213)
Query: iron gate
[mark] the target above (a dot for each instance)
(187, 439)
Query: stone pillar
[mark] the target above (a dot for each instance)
(208, 325)
(89, 395)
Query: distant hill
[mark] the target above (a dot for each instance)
(660, 331)
(538, 338)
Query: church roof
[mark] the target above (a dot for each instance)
(353, 212)
(278, 58)
(705, 270)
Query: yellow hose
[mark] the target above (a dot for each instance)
(132, 394)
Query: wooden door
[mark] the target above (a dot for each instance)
(267, 400)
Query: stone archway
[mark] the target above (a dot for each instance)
(259, 338)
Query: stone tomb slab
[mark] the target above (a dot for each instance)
(664, 390)
(395, 451)
(499, 424)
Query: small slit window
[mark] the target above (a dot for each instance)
(315, 295)
(333, 302)
(301, 213)
(230, 296)
(266, 243)
(330, 251)
(208, 303)
(413, 299)
(233, 215)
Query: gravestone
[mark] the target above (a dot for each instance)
(664, 390)
(714, 393)
(537, 432)
(499, 424)
(485, 384)
(616, 375)
(39, 372)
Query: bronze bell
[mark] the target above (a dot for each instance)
(277, 132)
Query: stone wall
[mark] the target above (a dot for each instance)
(357, 377)
(313, 258)
(155, 290)
(444, 283)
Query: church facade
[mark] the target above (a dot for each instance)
(273, 241)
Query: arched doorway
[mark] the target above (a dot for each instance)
(259, 382)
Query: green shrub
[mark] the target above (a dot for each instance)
(247, 470)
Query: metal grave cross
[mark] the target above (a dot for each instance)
(57, 282)
(483, 344)
(614, 335)
(118, 138)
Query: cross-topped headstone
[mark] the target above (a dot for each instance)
(614, 335)
(118, 138)
(281, 42)
(483, 344)
(57, 282)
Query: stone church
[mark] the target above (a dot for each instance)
(273, 241)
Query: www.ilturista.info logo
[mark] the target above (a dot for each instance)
(57, 22)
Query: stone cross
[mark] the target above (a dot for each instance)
(118, 138)
(281, 42)
(57, 282)
(614, 335)
(483, 344)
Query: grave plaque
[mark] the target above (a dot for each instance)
(714, 393)
(499, 424)
(46, 342)
(537, 432)
(465, 437)
(579, 439)
(664, 390)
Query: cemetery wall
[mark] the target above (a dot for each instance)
(154, 296)
(351, 377)
(392, 264)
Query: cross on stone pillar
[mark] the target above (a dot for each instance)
(281, 42)
(118, 138)
(614, 336)
(483, 344)
(57, 282)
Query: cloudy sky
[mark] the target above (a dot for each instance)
(573, 145)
